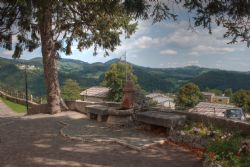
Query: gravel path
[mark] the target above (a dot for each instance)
(5, 111)
(34, 141)
(7, 115)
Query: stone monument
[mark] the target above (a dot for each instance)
(123, 115)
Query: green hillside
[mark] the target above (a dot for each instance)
(223, 80)
(150, 79)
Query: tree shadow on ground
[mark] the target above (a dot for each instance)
(37, 142)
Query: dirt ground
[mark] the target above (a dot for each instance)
(34, 141)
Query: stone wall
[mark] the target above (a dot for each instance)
(41, 108)
(220, 122)
(17, 100)
(79, 106)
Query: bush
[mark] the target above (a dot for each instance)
(226, 151)
(188, 96)
(71, 90)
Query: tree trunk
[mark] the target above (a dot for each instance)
(49, 62)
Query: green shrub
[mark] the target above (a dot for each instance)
(226, 151)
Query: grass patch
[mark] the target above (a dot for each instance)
(14, 106)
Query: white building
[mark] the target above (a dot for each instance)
(162, 100)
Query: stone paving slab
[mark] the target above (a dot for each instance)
(34, 141)
(92, 130)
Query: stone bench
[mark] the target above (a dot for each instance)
(164, 119)
(97, 112)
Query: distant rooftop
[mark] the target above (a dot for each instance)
(152, 95)
(211, 108)
(160, 98)
(213, 105)
(208, 93)
(96, 91)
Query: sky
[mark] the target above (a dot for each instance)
(167, 45)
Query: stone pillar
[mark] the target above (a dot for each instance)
(128, 95)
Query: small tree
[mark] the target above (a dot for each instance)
(228, 92)
(241, 99)
(115, 78)
(215, 91)
(71, 90)
(188, 96)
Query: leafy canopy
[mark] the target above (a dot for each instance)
(115, 79)
(188, 96)
(76, 22)
(100, 23)
(71, 90)
(241, 98)
(234, 15)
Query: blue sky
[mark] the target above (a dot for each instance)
(169, 44)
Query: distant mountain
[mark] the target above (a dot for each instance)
(112, 61)
(150, 79)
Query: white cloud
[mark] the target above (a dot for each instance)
(194, 53)
(145, 42)
(212, 49)
(168, 52)
(192, 62)
(184, 39)
(7, 53)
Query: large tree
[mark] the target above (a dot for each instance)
(233, 15)
(57, 25)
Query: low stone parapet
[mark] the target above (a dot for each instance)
(220, 122)
(80, 106)
(17, 100)
(38, 109)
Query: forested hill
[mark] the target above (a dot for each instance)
(223, 80)
(150, 79)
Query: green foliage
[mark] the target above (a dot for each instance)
(115, 79)
(226, 150)
(14, 106)
(221, 80)
(215, 91)
(188, 96)
(230, 14)
(71, 90)
(228, 92)
(241, 99)
(85, 23)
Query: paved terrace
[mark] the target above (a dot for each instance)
(36, 140)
